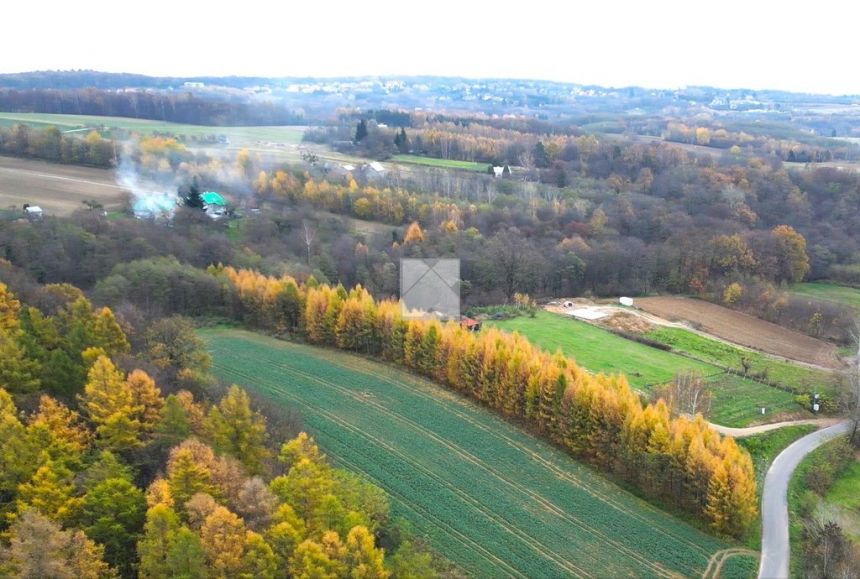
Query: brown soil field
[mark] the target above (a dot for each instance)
(58, 189)
(743, 329)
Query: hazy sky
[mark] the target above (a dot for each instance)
(653, 43)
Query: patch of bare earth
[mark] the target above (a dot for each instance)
(743, 329)
(58, 189)
(627, 323)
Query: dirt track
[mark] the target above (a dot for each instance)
(743, 329)
(58, 189)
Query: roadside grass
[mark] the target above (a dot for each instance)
(845, 491)
(797, 378)
(796, 490)
(765, 447)
(241, 135)
(441, 163)
(802, 500)
(737, 401)
(831, 292)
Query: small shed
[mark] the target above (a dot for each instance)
(33, 211)
(470, 324)
(213, 204)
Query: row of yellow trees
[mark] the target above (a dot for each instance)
(597, 418)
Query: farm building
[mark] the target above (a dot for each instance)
(213, 204)
(504, 171)
(372, 170)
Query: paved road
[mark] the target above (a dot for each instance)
(774, 503)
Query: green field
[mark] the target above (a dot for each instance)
(736, 400)
(798, 378)
(800, 493)
(739, 567)
(494, 500)
(845, 491)
(441, 163)
(237, 135)
(830, 292)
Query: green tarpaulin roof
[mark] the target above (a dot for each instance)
(212, 198)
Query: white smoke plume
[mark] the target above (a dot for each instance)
(154, 189)
(149, 198)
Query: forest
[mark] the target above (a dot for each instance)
(636, 219)
(181, 107)
(49, 144)
(105, 472)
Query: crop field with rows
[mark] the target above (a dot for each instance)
(490, 497)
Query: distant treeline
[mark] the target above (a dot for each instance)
(51, 145)
(181, 107)
(64, 79)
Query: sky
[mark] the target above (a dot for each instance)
(651, 43)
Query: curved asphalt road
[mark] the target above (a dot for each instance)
(774, 503)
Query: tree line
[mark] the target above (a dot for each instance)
(174, 107)
(597, 418)
(49, 144)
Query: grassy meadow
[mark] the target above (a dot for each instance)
(794, 376)
(237, 135)
(737, 401)
(440, 163)
(830, 292)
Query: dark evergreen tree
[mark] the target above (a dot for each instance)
(540, 156)
(193, 199)
(361, 131)
(401, 141)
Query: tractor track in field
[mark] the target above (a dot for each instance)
(715, 564)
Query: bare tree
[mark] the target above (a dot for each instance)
(309, 236)
(687, 393)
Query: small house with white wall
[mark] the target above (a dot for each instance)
(33, 212)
